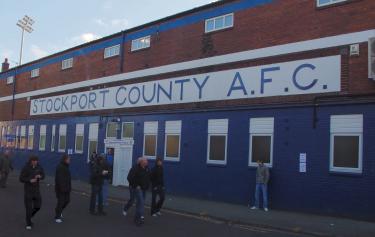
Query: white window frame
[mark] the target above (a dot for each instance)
(356, 120)
(261, 127)
(214, 20)
(9, 131)
(62, 132)
(34, 73)
(173, 128)
(106, 131)
(80, 131)
(217, 127)
(18, 130)
(53, 138)
(137, 45)
(10, 80)
(23, 135)
(43, 131)
(31, 132)
(122, 130)
(67, 63)
(150, 128)
(93, 136)
(112, 51)
(331, 2)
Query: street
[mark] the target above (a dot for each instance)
(78, 222)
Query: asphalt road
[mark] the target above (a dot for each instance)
(78, 222)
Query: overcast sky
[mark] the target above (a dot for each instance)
(60, 25)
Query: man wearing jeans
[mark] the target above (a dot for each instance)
(139, 181)
(262, 178)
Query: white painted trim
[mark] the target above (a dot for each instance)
(217, 162)
(320, 43)
(329, 3)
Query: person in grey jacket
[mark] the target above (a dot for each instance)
(262, 178)
(5, 168)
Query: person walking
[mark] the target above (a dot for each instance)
(139, 182)
(98, 173)
(63, 185)
(5, 168)
(30, 175)
(262, 178)
(157, 186)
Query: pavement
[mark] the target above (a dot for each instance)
(280, 223)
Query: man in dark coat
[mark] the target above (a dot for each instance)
(98, 174)
(30, 175)
(63, 186)
(5, 168)
(158, 189)
(139, 182)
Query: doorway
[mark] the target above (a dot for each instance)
(122, 152)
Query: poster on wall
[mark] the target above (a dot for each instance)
(302, 162)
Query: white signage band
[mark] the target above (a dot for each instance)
(318, 75)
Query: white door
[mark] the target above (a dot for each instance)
(122, 165)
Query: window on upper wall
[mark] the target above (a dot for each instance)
(35, 73)
(128, 130)
(30, 138)
(261, 141)
(172, 140)
(150, 139)
(112, 51)
(67, 63)
(42, 137)
(321, 3)
(80, 130)
(23, 137)
(346, 143)
(10, 80)
(62, 138)
(219, 23)
(112, 130)
(53, 137)
(217, 141)
(141, 43)
(93, 139)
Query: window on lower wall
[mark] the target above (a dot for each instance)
(80, 129)
(172, 140)
(42, 137)
(18, 137)
(9, 138)
(23, 137)
(261, 141)
(217, 141)
(62, 137)
(30, 138)
(322, 3)
(127, 130)
(150, 139)
(93, 139)
(346, 143)
(1, 136)
(111, 130)
(53, 138)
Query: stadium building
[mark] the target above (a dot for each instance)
(211, 91)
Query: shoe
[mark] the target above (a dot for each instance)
(265, 209)
(158, 213)
(28, 227)
(58, 221)
(124, 213)
(154, 215)
(254, 208)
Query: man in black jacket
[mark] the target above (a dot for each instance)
(157, 181)
(31, 174)
(63, 186)
(98, 173)
(139, 182)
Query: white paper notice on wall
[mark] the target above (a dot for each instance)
(70, 151)
(302, 162)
